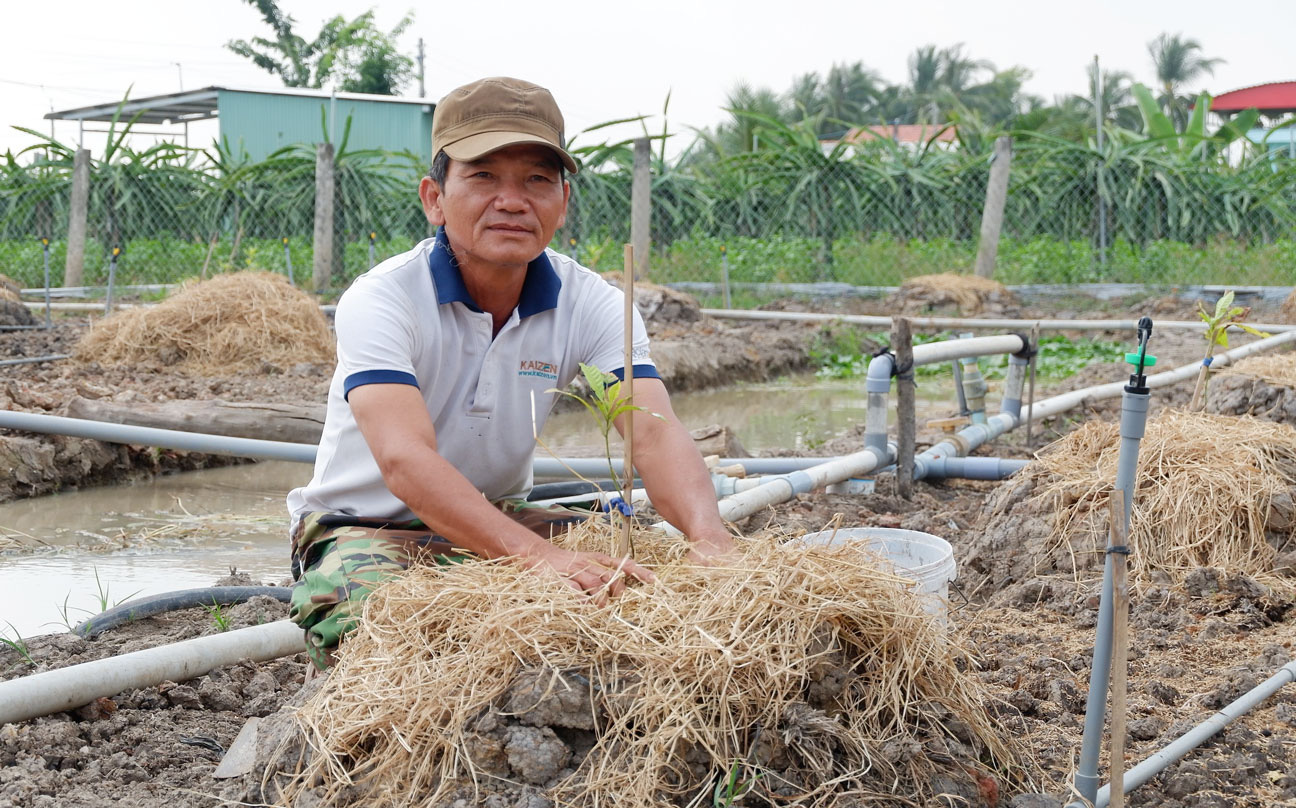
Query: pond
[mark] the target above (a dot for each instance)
(83, 549)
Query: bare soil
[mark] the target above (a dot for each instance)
(1195, 646)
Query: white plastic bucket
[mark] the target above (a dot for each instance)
(925, 559)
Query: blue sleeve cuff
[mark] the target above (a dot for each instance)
(640, 372)
(379, 377)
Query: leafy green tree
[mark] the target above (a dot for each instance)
(372, 64)
(1178, 61)
(749, 108)
(363, 56)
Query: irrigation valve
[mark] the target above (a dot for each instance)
(1140, 359)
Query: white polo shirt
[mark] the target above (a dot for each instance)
(410, 320)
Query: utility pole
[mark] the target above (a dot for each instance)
(420, 67)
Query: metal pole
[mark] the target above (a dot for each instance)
(420, 66)
(288, 261)
(372, 236)
(112, 278)
(45, 248)
(1134, 410)
(1102, 203)
(724, 273)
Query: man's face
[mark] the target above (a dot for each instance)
(502, 209)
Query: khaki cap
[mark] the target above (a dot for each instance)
(490, 114)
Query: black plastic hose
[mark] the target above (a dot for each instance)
(171, 601)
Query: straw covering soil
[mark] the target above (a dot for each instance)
(967, 294)
(1212, 491)
(1276, 369)
(242, 320)
(798, 674)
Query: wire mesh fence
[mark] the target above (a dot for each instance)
(794, 211)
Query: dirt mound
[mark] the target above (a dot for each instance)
(950, 293)
(797, 673)
(1261, 386)
(661, 305)
(1212, 491)
(12, 310)
(244, 320)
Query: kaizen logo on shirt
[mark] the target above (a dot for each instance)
(534, 367)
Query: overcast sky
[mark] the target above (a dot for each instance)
(612, 60)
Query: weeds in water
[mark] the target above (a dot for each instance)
(220, 618)
(18, 645)
(65, 613)
(102, 593)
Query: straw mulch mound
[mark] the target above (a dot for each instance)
(1276, 369)
(1289, 308)
(239, 321)
(1205, 489)
(12, 310)
(968, 294)
(801, 675)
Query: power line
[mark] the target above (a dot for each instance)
(56, 86)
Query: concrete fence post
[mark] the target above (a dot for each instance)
(992, 216)
(322, 245)
(641, 206)
(74, 269)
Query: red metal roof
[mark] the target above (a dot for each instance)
(1278, 96)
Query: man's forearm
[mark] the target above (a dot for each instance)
(449, 504)
(677, 480)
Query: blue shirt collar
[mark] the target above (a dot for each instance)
(539, 289)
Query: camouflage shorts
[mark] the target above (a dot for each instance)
(337, 560)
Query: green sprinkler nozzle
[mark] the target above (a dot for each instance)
(1140, 359)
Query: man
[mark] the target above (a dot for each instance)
(428, 440)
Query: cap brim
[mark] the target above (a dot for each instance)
(474, 147)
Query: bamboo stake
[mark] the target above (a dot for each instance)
(1030, 398)
(623, 546)
(1120, 626)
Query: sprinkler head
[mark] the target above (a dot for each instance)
(1140, 359)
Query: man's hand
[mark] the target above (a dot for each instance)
(713, 549)
(598, 574)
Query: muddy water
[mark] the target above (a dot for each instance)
(188, 530)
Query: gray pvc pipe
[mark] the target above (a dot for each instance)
(151, 436)
(1194, 737)
(942, 323)
(1012, 395)
(32, 360)
(1133, 424)
(75, 686)
(970, 468)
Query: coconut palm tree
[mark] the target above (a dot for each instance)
(1178, 62)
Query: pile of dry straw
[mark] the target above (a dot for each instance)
(969, 293)
(1202, 498)
(1276, 369)
(243, 320)
(805, 673)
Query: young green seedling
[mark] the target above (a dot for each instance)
(18, 645)
(605, 403)
(1217, 325)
